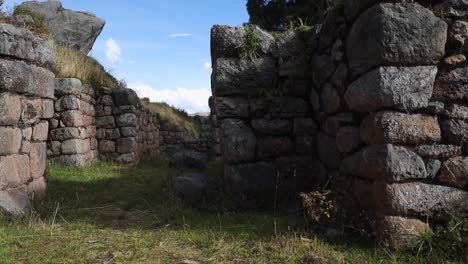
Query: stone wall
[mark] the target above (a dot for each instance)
(375, 101)
(72, 135)
(26, 104)
(125, 130)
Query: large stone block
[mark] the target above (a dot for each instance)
(239, 141)
(385, 162)
(273, 147)
(71, 160)
(328, 151)
(68, 102)
(348, 139)
(14, 171)
(10, 107)
(125, 96)
(233, 77)
(231, 107)
(396, 34)
(41, 131)
(304, 127)
(105, 122)
(402, 88)
(38, 159)
(454, 172)
(10, 140)
(65, 86)
(37, 189)
(399, 128)
(72, 118)
(419, 199)
(436, 151)
(47, 109)
(75, 146)
(398, 232)
(452, 86)
(21, 43)
(288, 107)
(62, 134)
(455, 131)
(127, 120)
(26, 79)
(275, 127)
(31, 111)
(106, 146)
(15, 202)
(127, 145)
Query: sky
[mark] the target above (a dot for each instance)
(161, 48)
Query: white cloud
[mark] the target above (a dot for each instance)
(180, 35)
(207, 66)
(193, 100)
(113, 51)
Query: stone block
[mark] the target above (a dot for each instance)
(231, 107)
(47, 109)
(275, 127)
(75, 146)
(288, 107)
(239, 141)
(328, 151)
(398, 232)
(128, 131)
(273, 147)
(10, 107)
(37, 189)
(106, 146)
(68, 102)
(66, 86)
(38, 159)
(125, 96)
(455, 131)
(10, 140)
(14, 171)
(62, 134)
(127, 145)
(127, 120)
(105, 122)
(454, 172)
(72, 118)
(41, 131)
(15, 202)
(348, 139)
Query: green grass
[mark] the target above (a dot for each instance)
(108, 213)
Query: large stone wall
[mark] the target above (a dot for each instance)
(26, 104)
(375, 101)
(72, 136)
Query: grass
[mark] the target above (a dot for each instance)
(175, 116)
(108, 213)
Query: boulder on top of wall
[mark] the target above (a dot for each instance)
(239, 141)
(452, 86)
(454, 172)
(78, 30)
(419, 199)
(402, 88)
(125, 96)
(400, 128)
(388, 34)
(226, 41)
(14, 202)
(188, 158)
(243, 77)
(386, 162)
(455, 8)
(21, 43)
(22, 78)
(64, 86)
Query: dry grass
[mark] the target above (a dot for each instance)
(75, 64)
(175, 116)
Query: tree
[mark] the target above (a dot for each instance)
(281, 14)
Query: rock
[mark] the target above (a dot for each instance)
(31, 111)
(190, 185)
(127, 145)
(78, 30)
(455, 111)
(353, 8)
(452, 86)
(273, 147)
(314, 100)
(125, 96)
(15, 202)
(77, 160)
(231, 107)
(454, 172)
(288, 107)
(127, 120)
(328, 151)
(65, 86)
(251, 178)
(10, 140)
(127, 158)
(274, 127)
(419, 199)
(340, 77)
(106, 100)
(226, 41)
(14, 171)
(331, 101)
(438, 151)
(47, 109)
(304, 127)
(386, 162)
(105, 122)
(305, 145)
(62, 134)
(188, 158)
(67, 102)
(38, 159)
(233, 77)
(333, 123)
(399, 128)
(348, 139)
(75, 146)
(398, 232)
(41, 131)
(454, 8)
(10, 107)
(26, 79)
(383, 34)
(37, 189)
(22, 44)
(432, 168)
(106, 146)
(239, 141)
(72, 118)
(455, 131)
(289, 44)
(323, 68)
(128, 131)
(402, 88)
(455, 60)
(124, 109)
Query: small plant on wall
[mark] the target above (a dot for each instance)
(318, 205)
(250, 44)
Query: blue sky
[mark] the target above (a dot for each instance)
(161, 48)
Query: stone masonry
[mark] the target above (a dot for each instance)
(371, 104)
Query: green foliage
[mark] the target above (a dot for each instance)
(449, 241)
(250, 44)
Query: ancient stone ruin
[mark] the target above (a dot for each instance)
(371, 104)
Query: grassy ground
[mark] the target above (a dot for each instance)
(109, 213)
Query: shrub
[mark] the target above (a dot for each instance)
(318, 204)
(250, 44)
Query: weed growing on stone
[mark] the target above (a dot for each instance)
(250, 44)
